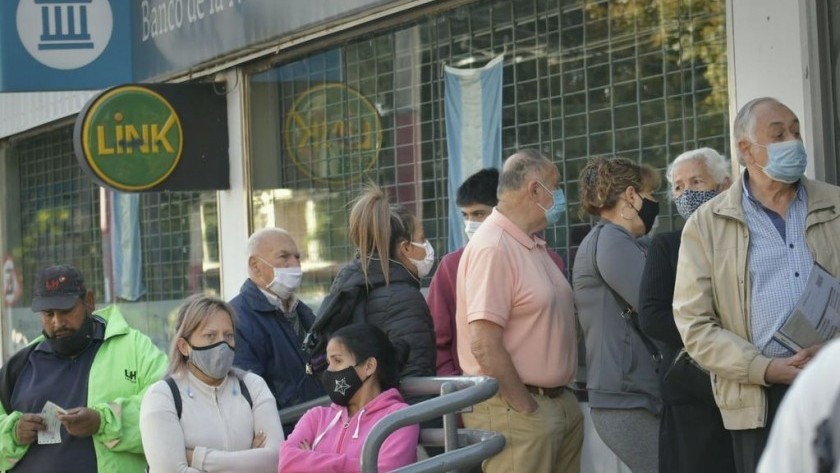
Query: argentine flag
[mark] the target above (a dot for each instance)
(473, 100)
(125, 246)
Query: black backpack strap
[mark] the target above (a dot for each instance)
(628, 313)
(176, 394)
(338, 310)
(245, 393)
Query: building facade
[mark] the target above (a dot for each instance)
(318, 110)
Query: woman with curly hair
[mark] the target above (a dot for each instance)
(621, 363)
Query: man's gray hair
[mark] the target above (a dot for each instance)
(519, 166)
(716, 164)
(744, 124)
(257, 238)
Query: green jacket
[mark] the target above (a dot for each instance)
(125, 365)
(712, 295)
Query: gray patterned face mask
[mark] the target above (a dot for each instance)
(691, 200)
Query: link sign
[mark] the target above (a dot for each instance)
(132, 138)
(136, 138)
(333, 133)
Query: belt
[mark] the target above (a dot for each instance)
(547, 392)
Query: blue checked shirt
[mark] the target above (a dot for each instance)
(779, 263)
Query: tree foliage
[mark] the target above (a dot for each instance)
(693, 32)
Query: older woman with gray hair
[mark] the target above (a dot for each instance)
(689, 418)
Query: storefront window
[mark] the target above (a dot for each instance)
(55, 214)
(644, 80)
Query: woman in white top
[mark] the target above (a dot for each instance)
(228, 420)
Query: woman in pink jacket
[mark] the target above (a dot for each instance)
(361, 380)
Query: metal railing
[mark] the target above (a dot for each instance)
(462, 447)
(292, 414)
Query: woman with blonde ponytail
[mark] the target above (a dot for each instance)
(393, 256)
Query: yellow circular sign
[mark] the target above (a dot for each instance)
(333, 133)
(131, 138)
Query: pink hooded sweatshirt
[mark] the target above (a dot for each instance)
(336, 441)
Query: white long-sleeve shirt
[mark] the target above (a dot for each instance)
(216, 421)
(808, 402)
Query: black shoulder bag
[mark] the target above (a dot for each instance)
(629, 314)
(339, 309)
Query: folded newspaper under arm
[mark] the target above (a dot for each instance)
(816, 316)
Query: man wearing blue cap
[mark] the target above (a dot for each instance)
(92, 366)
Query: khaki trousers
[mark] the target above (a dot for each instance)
(548, 440)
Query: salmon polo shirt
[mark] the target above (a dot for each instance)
(507, 277)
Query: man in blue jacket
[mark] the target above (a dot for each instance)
(272, 321)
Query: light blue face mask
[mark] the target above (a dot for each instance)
(786, 161)
(553, 213)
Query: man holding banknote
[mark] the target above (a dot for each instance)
(743, 264)
(70, 400)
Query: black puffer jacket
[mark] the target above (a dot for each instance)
(398, 309)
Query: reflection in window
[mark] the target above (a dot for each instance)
(581, 78)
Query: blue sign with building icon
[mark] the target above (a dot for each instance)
(58, 33)
(95, 44)
(64, 44)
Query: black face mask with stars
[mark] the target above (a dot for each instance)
(341, 385)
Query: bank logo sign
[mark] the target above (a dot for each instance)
(131, 137)
(333, 133)
(65, 34)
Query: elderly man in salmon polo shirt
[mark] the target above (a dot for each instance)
(515, 322)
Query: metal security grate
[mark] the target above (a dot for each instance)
(642, 79)
(180, 244)
(60, 222)
(291, 187)
(59, 211)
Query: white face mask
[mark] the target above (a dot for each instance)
(470, 227)
(424, 266)
(286, 281)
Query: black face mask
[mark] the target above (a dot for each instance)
(341, 385)
(648, 213)
(76, 343)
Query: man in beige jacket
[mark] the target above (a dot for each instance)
(744, 261)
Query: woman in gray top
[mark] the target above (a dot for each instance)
(621, 363)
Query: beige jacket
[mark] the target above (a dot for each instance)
(712, 295)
